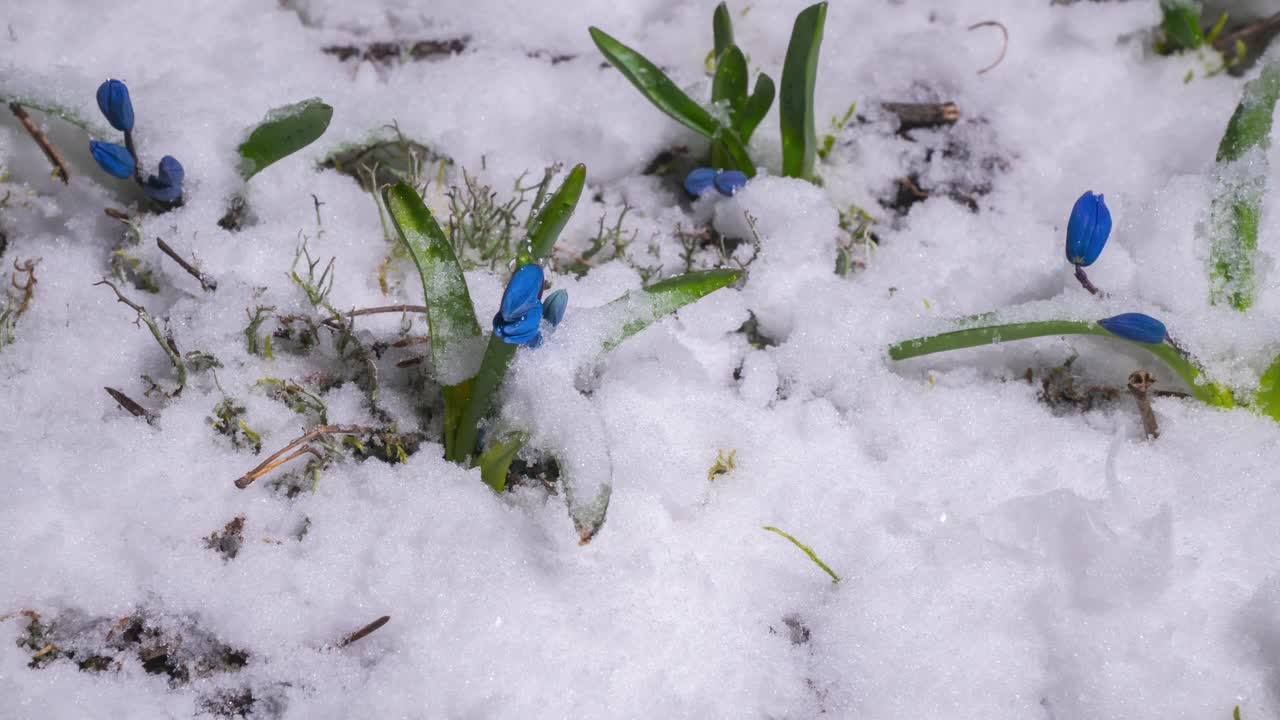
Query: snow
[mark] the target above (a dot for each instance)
(1000, 558)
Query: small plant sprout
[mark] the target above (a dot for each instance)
(1087, 233)
(165, 187)
(735, 114)
(835, 579)
(469, 390)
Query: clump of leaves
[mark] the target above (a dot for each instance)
(228, 421)
(735, 114)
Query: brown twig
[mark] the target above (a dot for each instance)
(207, 283)
(28, 288)
(1260, 30)
(923, 115)
(117, 214)
(1140, 381)
(333, 321)
(59, 166)
(272, 462)
(1004, 31)
(364, 631)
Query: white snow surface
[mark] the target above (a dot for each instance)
(998, 560)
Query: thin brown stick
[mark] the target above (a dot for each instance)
(1260, 30)
(364, 631)
(59, 166)
(1004, 31)
(333, 321)
(271, 462)
(28, 288)
(922, 115)
(207, 283)
(1140, 381)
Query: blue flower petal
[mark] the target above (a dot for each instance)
(730, 181)
(1088, 229)
(522, 293)
(113, 158)
(1136, 327)
(699, 181)
(521, 330)
(114, 102)
(554, 306)
(171, 172)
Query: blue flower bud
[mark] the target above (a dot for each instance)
(522, 293)
(166, 187)
(730, 182)
(113, 101)
(115, 159)
(554, 306)
(1088, 229)
(519, 330)
(699, 181)
(1136, 327)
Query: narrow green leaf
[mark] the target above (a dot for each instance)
(729, 86)
(553, 216)
(1237, 205)
(807, 551)
(495, 461)
(587, 517)
(654, 84)
(1208, 392)
(799, 72)
(498, 355)
(1267, 399)
(286, 130)
(1180, 23)
(756, 107)
(722, 29)
(450, 313)
(639, 309)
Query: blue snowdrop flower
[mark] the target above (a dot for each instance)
(730, 181)
(1136, 327)
(115, 159)
(699, 181)
(166, 186)
(554, 306)
(114, 102)
(520, 312)
(1088, 229)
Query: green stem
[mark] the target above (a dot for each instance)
(1203, 390)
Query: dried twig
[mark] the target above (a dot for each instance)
(364, 631)
(1259, 31)
(1004, 31)
(165, 342)
(1140, 381)
(922, 115)
(207, 283)
(275, 460)
(333, 322)
(59, 166)
(28, 288)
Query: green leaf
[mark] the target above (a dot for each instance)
(286, 130)
(807, 551)
(729, 86)
(721, 29)
(1180, 23)
(639, 309)
(655, 85)
(1208, 392)
(495, 461)
(450, 313)
(756, 107)
(1237, 205)
(799, 72)
(553, 216)
(498, 355)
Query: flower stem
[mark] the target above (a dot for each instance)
(1203, 390)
